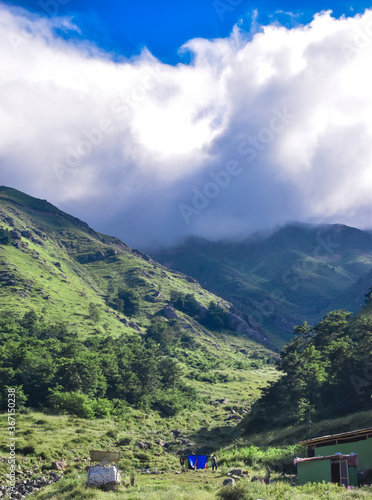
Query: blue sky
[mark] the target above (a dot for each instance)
(265, 118)
(125, 27)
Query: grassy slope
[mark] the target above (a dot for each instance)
(298, 273)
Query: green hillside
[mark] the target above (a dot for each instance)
(78, 301)
(297, 273)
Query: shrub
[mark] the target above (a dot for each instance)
(124, 441)
(5, 238)
(237, 492)
(76, 403)
(28, 450)
(112, 433)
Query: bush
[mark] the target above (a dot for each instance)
(131, 301)
(76, 403)
(113, 434)
(237, 492)
(185, 303)
(216, 318)
(124, 441)
(28, 450)
(5, 238)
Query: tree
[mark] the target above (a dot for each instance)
(215, 318)
(131, 301)
(94, 312)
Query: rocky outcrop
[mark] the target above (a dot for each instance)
(170, 313)
(28, 486)
(241, 326)
(143, 255)
(91, 257)
(111, 252)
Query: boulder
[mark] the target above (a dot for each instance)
(236, 472)
(59, 465)
(170, 313)
(229, 481)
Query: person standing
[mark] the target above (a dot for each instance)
(214, 462)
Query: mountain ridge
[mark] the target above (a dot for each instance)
(298, 272)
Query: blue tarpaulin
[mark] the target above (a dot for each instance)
(198, 461)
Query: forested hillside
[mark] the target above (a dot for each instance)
(326, 373)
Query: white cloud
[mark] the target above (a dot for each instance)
(123, 144)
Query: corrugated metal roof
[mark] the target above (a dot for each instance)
(331, 437)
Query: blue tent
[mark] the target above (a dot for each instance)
(197, 461)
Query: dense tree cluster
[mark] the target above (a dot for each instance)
(126, 301)
(214, 318)
(54, 369)
(326, 373)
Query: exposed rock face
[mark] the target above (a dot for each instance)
(134, 325)
(241, 326)
(170, 313)
(141, 254)
(91, 257)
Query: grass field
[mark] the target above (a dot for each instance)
(43, 438)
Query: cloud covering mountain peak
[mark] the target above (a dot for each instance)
(256, 130)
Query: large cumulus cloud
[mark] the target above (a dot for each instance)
(256, 131)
